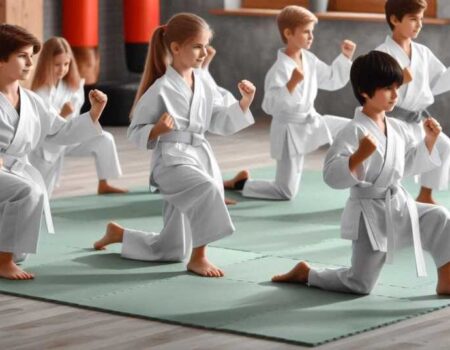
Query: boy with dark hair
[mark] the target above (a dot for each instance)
(370, 156)
(24, 123)
(429, 78)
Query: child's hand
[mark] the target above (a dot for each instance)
(67, 109)
(367, 145)
(164, 125)
(432, 131)
(98, 102)
(210, 53)
(247, 90)
(348, 48)
(296, 77)
(407, 75)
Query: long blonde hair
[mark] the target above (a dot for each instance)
(44, 75)
(180, 28)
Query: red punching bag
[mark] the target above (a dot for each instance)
(80, 28)
(141, 18)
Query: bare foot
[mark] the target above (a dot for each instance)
(202, 267)
(299, 274)
(105, 188)
(443, 285)
(426, 196)
(113, 234)
(229, 201)
(11, 271)
(240, 176)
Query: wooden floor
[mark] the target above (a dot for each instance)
(30, 324)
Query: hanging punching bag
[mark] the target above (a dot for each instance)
(141, 17)
(80, 28)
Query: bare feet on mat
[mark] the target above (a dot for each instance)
(9, 269)
(113, 234)
(299, 274)
(443, 285)
(105, 188)
(426, 196)
(229, 201)
(243, 175)
(201, 266)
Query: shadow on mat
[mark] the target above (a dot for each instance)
(281, 298)
(322, 217)
(116, 262)
(131, 210)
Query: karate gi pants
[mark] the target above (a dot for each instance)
(21, 206)
(366, 264)
(289, 170)
(101, 147)
(194, 213)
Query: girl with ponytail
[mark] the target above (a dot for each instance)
(177, 102)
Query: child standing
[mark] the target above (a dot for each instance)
(175, 105)
(370, 156)
(290, 89)
(25, 122)
(429, 78)
(58, 83)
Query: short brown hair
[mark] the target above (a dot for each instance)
(400, 8)
(293, 16)
(13, 38)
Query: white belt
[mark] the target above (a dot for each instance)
(21, 167)
(299, 118)
(186, 137)
(388, 194)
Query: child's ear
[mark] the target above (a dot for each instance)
(287, 32)
(174, 47)
(365, 95)
(394, 20)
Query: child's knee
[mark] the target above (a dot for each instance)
(363, 288)
(288, 193)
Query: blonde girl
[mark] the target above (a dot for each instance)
(177, 102)
(57, 81)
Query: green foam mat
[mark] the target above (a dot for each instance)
(270, 237)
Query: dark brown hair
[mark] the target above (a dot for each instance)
(14, 38)
(400, 8)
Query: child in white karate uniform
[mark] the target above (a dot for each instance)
(429, 78)
(25, 123)
(370, 156)
(58, 83)
(290, 89)
(175, 105)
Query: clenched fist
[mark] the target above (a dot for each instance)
(67, 109)
(348, 48)
(407, 75)
(432, 131)
(367, 145)
(247, 90)
(164, 125)
(296, 77)
(98, 102)
(210, 53)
